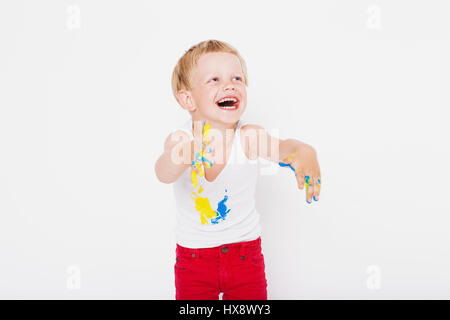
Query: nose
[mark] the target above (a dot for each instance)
(229, 86)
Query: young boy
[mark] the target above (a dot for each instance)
(218, 233)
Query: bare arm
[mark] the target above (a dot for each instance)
(176, 158)
(301, 156)
(263, 145)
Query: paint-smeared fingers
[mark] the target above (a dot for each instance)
(316, 188)
(300, 178)
(309, 188)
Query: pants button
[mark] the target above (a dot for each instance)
(224, 249)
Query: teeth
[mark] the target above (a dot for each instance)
(227, 99)
(228, 107)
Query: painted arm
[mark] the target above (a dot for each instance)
(176, 157)
(300, 157)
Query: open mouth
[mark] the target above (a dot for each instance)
(229, 103)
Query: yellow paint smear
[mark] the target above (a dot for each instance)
(194, 179)
(203, 207)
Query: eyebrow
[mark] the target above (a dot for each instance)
(240, 74)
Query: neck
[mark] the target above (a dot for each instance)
(219, 126)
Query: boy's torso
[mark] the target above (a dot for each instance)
(220, 207)
(213, 172)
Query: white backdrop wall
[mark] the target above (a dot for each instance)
(86, 102)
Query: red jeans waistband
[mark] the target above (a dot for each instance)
(214, 251)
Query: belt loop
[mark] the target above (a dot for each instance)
(197, 253)
(242, 250)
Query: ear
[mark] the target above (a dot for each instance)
(186, 100)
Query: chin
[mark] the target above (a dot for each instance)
(230, 117)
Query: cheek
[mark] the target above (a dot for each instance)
(207, 101)
(209, 98)
(244, 96)
(205, 97)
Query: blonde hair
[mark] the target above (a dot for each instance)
(182, 73)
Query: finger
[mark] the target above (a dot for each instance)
(320, 182)
(300, 179)
(309, 188)
(316, 189)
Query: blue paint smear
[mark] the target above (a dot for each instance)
(199, 158)
(307, 179)
(221, 211)
(282, 164)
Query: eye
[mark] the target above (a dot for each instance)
(214, 79)
(238, 78)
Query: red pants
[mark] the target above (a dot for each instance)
(236, 269)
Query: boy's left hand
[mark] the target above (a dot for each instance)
(307, 170)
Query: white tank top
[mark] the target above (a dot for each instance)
(231, 196)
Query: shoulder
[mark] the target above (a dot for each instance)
(250, 126)
(254, 131)
(251, 129)
(250, 134)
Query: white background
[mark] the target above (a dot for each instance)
(86, 103)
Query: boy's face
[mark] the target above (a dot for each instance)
(218, 75)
